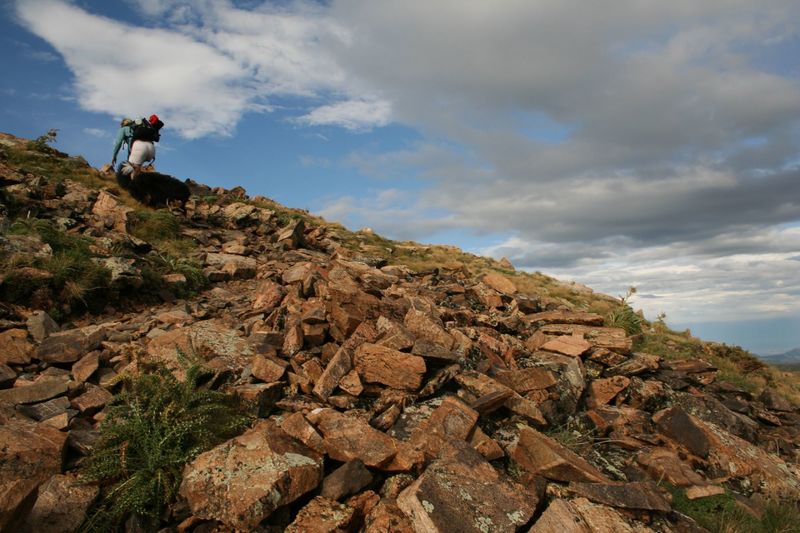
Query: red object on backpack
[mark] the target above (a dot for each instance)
(153, 119)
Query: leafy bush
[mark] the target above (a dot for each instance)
(153, 428)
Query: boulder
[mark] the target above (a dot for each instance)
(462, 492)
(378, 364)
(241, 482)
(70, 345)
(347, 438)
(61, 506)
(29, 455)
(500, 283)
(542, 456)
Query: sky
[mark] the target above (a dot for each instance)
(618, 143)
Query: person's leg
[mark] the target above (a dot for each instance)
(141, 152)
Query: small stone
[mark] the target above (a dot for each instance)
(15, 348)
(322, 515)
(351, 384)
(40, 325)
(602, 391)
(39, 391)
(45, 410)
(500, 283)
(7, 375)
(69, 346)
(86, 366)
(337, 368)
(298, 427)
(704, 491)
(348, 479)
(261, 396)
(91, 401)
(567, 345)
(267, 369)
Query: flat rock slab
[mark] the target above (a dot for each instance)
(542, 456)
(242, 481)
(462, 492)
(61, 506)
(567, 345)
(379, 364)
(679, 426)
(603, 391)
(664, 464)
(347, 438)
(582, 516)
(348, 479)
(69, 346)
(565, 317)
(615, 339)
(500, 283)
(646, 495)
(40, 391)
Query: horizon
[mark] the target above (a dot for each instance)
(649, 147)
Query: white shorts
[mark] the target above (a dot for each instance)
(141, 152)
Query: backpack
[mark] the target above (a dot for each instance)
(144, 131)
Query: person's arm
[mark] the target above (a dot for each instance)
(118, 143)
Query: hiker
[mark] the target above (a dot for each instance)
(124, 136)
(140, 137)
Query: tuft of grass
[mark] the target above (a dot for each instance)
(163, 229)
(721, 514)
(154, 427)
(623, 316)
(75, 282)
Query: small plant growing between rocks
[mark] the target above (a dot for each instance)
(153, 428)
(42, 143)
(624, 316)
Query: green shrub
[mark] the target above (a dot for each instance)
(155, 226)
(42, 142)
(721, 514)
(153, 428)
(76, 280)
(623, 316)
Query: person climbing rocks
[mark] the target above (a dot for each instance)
(140, 136)
(124, 136)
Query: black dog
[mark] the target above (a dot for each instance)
(154, 189)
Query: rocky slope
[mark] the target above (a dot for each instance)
(387, 399)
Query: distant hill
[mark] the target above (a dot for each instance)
(792, 356)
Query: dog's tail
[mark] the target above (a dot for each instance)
(123, 177)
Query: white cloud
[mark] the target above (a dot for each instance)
(354, 115)
(208, 65)
(622, 142)
(96, 132)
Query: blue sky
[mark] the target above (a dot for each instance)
(628, 143)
